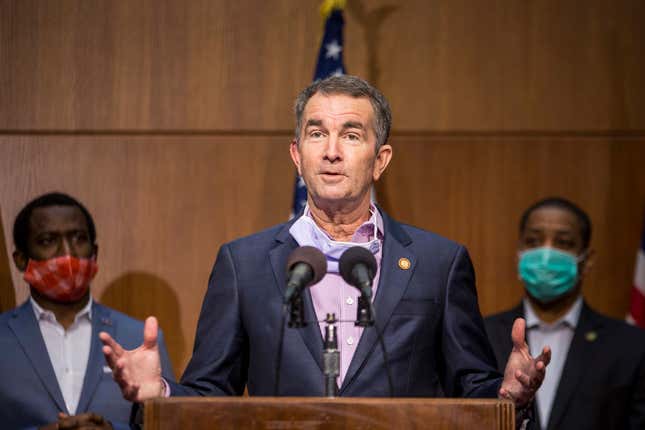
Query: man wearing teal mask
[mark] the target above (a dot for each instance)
(596, 378)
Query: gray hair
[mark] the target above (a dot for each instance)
(355, 87)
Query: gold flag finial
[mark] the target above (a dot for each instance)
(328, 6)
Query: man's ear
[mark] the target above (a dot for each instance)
(294, 151)
(96, 251)
(588, 262)
(20, 260)
(382, 160)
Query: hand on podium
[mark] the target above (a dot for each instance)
(138, 372)
(523, 374)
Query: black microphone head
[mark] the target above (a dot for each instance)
(311, 256)
(353, 256)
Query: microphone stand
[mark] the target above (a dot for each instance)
(366, 317)
(331, 357)
(364, 312)
(297, 312)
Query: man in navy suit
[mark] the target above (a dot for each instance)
(52, 369)
(596, 378)
(425, 299)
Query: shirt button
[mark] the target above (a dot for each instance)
(350, 341)
(349, 301)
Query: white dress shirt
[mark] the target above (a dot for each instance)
(557, 336)
(68, 349)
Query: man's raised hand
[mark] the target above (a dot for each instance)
(138, 371)
(524, 374)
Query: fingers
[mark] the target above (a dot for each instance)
(150, 332)
(518, 332)
(523, 378)
(107, 340)
(505, 394)
(545, 356)
(111, 349)
(88, 420)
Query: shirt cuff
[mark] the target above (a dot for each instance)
(166, 388)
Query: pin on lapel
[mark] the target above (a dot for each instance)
(404, 263)
(591, 336)
(106, 321)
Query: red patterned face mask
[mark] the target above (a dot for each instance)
(62, 279)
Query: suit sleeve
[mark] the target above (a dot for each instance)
(220, 354)
(469, 362)
(637, 407)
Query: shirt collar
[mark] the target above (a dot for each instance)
(41, 313)
(365, 232)
(570, 318)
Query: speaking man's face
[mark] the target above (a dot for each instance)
(337, 155)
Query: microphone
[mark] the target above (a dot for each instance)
(306, 266)
(357, 266)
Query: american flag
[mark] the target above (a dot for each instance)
(637, 311)
(330, 63)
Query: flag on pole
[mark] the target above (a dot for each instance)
(330, 63)
(637, 311)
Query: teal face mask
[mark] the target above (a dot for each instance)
(548, 273)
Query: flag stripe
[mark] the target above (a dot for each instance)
(638, 307)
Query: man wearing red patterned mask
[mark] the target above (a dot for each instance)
(53, 370)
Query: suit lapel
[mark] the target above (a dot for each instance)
(101, 321)
(392, 284)
(278, 256)
(578, 355)
(27, 332)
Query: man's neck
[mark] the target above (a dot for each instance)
(552, 312)
(65, 312)
(340, 223)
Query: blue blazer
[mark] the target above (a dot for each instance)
(429, 316)
(29, 392)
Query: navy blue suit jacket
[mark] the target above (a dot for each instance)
(29, 392)
(429, 315)
(603, 380)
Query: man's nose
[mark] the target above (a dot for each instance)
(333, 148)
(66, 248)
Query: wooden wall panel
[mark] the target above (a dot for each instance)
(153, 65)
(220, 65)
(7, 290)
(474, 190)
(508, 65)
(162, 206)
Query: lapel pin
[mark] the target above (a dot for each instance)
(106, 321)
(591, 336)
(404, 263)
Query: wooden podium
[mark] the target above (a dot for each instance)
(286, 413)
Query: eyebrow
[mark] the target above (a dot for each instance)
(565, 233)
(313, 122)
(353, 124)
